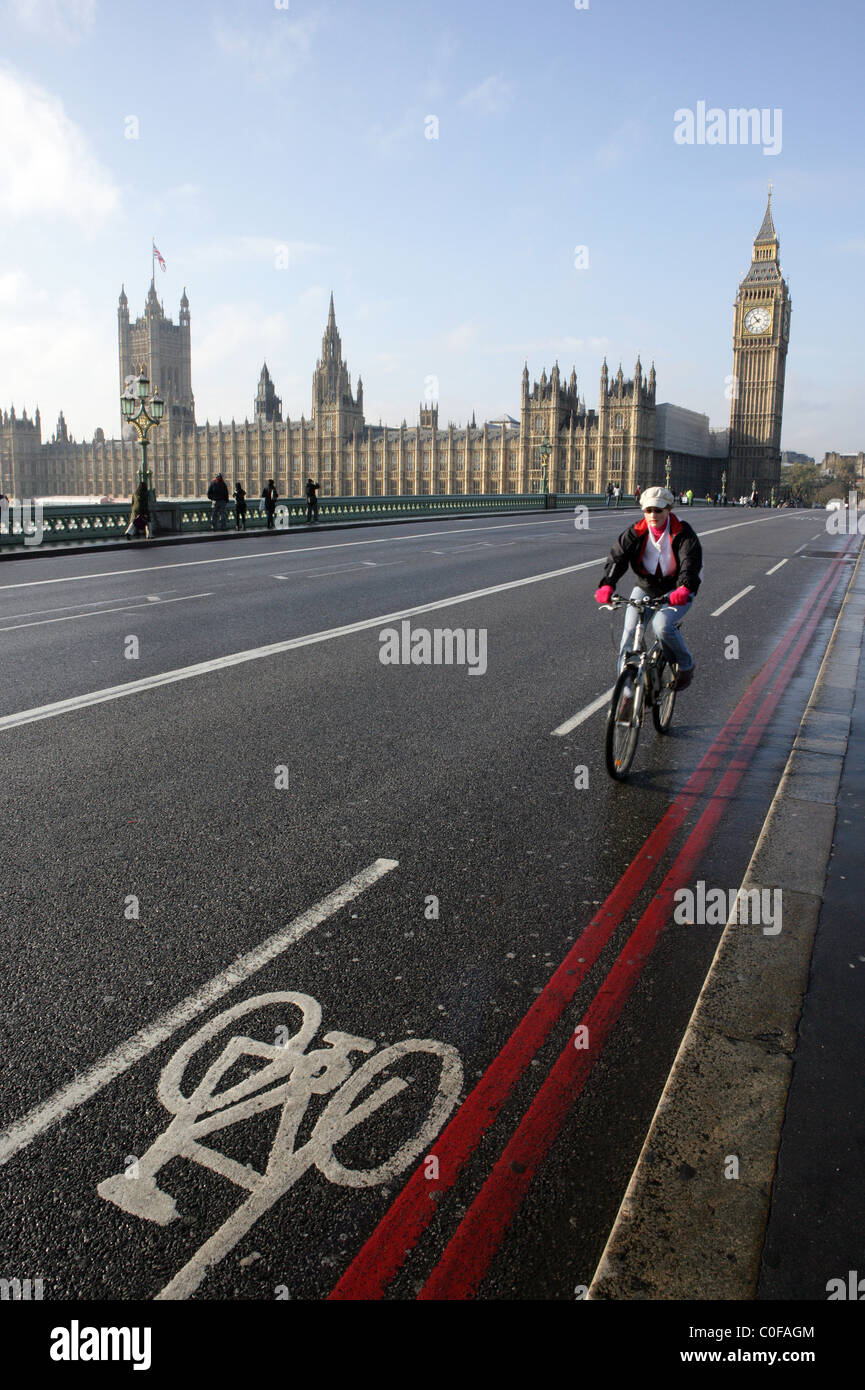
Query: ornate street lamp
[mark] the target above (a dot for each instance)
(668, 474)
(545, 460)
(724, 488)
(144, 411)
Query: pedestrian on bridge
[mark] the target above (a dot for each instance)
(217, 493)
(311, 500)
(139, 517)
(239, 506)
(270, 497)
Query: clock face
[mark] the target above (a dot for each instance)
(758, 320)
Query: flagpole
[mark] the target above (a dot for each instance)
(153, 260)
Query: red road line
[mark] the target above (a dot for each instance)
(386, 1250)
(469, 1253)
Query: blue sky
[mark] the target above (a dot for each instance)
(269, 134)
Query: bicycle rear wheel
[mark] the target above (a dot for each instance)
(662, 709)
(623, 724)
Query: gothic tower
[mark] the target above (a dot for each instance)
(163, 349)
(268, 406)
(760, 336)
(335, 411)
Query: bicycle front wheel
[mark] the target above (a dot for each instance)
(623, 724)
(662, 709)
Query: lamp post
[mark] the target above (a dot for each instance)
(545, 460)
(137, 394)
(668, 474)
(724, 488)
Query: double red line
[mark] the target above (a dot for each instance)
(472, 1248)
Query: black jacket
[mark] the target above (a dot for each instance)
(686, 551)
(271, 497)
(311, 490)
(240, 498)
(218, 490)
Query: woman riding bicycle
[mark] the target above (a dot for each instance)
(665, 555)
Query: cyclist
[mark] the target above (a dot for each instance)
(665, 555)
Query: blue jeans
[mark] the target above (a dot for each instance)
(665, 625)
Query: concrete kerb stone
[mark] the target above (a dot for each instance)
(687, 1227)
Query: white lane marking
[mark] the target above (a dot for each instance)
(730, 601)
(220, 663)
(89, 1083)
(265, 554)
(583, 714)
(801, 547)
(91, 603)
(775, 568)
(100, 612)
(290, 1079)
(337, 545)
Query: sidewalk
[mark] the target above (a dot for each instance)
(749, 1184)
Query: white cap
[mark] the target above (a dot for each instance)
(656, 497)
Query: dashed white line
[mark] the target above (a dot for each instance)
(221, 663)
(775, 568)
(86, 1085)
(100, 612)
(730, 601)
(583, 714)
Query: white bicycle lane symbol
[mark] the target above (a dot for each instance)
(290, 1078)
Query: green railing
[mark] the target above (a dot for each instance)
(80, 522)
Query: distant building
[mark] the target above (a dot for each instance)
(627, 440)
(788, 457)
(697, 453)
(832, 462)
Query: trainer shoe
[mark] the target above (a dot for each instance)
(684, 678)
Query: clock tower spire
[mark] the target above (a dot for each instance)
(761, 334)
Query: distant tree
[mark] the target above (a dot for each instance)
(803, 479)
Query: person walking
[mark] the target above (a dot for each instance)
(617, 493)
(637, 490)
(217, 493)
(311, 500)
(239, 507)
(271, 497)
(609, 494)
(690, 496)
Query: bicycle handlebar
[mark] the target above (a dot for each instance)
(646, 601)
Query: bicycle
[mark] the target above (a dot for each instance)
(647, 680)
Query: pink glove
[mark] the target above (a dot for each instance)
(604, 594)
(679, 596)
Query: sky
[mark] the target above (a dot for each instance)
(480, 184)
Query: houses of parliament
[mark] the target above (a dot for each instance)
(627, 440)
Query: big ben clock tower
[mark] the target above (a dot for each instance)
(760, 337)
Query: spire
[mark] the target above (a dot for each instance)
(767, 231)
(331, 317)
(123, 301)
(184, 303)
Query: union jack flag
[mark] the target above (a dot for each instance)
(158, 254)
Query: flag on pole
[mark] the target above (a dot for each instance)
(158, 254)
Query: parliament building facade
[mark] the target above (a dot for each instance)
(626, 441)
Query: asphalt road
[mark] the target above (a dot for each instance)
(151, 839)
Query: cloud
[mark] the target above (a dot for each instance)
(286, 49)
(47, 167)
(54, 352)
(61, 21)
(490, 97)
